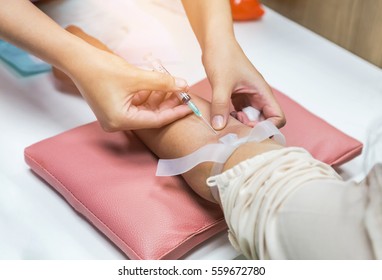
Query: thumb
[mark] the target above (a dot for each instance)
(150, 80)
(220, 108)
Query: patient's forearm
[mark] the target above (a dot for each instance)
(189, 134)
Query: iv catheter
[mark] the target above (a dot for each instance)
(184, 97)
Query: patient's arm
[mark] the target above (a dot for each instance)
(189, 134)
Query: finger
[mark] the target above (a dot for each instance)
(142, 119)
(155, 99)
(274, 114)
(150, 80)
(279, 122)
(140, 97)
(220, 108)
(242, 117)
(168, 116)
(171, 101)
(270, 109)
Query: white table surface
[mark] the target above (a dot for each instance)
(36, 223)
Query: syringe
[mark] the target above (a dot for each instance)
(184, 96)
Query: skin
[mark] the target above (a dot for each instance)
(119, 102)
(173, 141)
(87, 65)
(232, 76)
(131, 98)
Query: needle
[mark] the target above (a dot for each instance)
(184, 97)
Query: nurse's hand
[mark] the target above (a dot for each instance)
(124, 97)
(234, 78)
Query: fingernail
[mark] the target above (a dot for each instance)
(180, 83)
(217, 121)
(233, 114)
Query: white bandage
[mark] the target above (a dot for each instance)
(252, 113)
(219, 152)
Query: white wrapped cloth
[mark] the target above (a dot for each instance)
(284, 204)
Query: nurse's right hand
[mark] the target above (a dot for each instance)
(124, 97)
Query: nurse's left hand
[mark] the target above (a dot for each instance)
(235, 81)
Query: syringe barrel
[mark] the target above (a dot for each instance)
(184, 97)
(156, 64)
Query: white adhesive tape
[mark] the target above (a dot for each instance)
(252, 113)
(218, 152)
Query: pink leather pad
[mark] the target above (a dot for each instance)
(110, 179)
(304, 129)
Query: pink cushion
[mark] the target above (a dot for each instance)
(110, 179)
(303, 129)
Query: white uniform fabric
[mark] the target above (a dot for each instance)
(284, 204)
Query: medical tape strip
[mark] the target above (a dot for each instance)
(218, 152)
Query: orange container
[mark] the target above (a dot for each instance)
(246, 10)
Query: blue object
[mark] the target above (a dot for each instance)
(23, 62)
